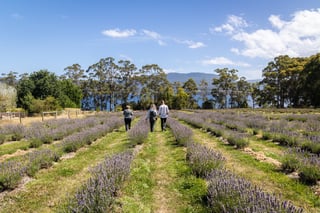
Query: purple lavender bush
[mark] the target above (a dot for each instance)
(182, 133)
(99, 192)
(11, 173)
(139, 133)
(202, 160)
(230, 193)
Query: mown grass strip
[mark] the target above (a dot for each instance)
(11, 147)
(263, 174)
(136, 195)
(52, 186)
(160, 180)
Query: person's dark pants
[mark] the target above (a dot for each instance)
(163, 123)
(127, 123)
(152, 122)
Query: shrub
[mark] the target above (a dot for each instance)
(266, 135)
(98, 193)
(309, 174)
(230, 193)
(289, 163)
(202, 160)
(2, 138)
(11, 173)
(35, 143)
(40, 159)
(139, 133)
(182, 133)
(238, 140)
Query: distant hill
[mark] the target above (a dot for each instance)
(196, 76)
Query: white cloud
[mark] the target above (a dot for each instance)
(117, 33)
(276, 21)
(224, 61)
(155, 36)
(298, 37)
(194, 45)
(234, 24)
(191, 44)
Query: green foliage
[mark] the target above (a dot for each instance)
(290, 163)
(311, 80)
(180, 101)
(10, 175)
(35, 143)
(239, 142)
(224, 86)
(309, 174)
(2, 138)
(195, 190)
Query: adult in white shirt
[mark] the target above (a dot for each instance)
(163, 114)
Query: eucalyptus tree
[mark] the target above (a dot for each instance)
(127, 82)
(241, 93)
(204, 90)
(152, 78)
(175, 86)
(167, 94)
(75, 73)
(103, 77)
(145, 98)
(181, 99)
(9, 78)
(254, 93)
(293, 80)
(190, 87)
(281, 80)
(224, 85)
(311, 81)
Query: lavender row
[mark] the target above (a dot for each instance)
(230, 193)
(53, 129)
(12, 171)
(300, 131)
(231, 136)
(306, 164)
(75, 141)
(99, 192)
(182, 134)
(202, 160)
(226, 191)
(139, 133)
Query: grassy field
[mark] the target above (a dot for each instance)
(160, 179)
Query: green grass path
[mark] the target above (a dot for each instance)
(160, 180)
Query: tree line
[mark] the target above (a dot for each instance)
(108, 85)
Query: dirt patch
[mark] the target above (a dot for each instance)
(19, 152)
(316, 189)
(260, 156)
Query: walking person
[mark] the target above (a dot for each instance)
(152, 116)
(163, 113)
(127, 113)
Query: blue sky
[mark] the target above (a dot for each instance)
(179, 36)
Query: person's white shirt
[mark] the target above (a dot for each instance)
(163, 111)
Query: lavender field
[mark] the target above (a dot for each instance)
(206, 161)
